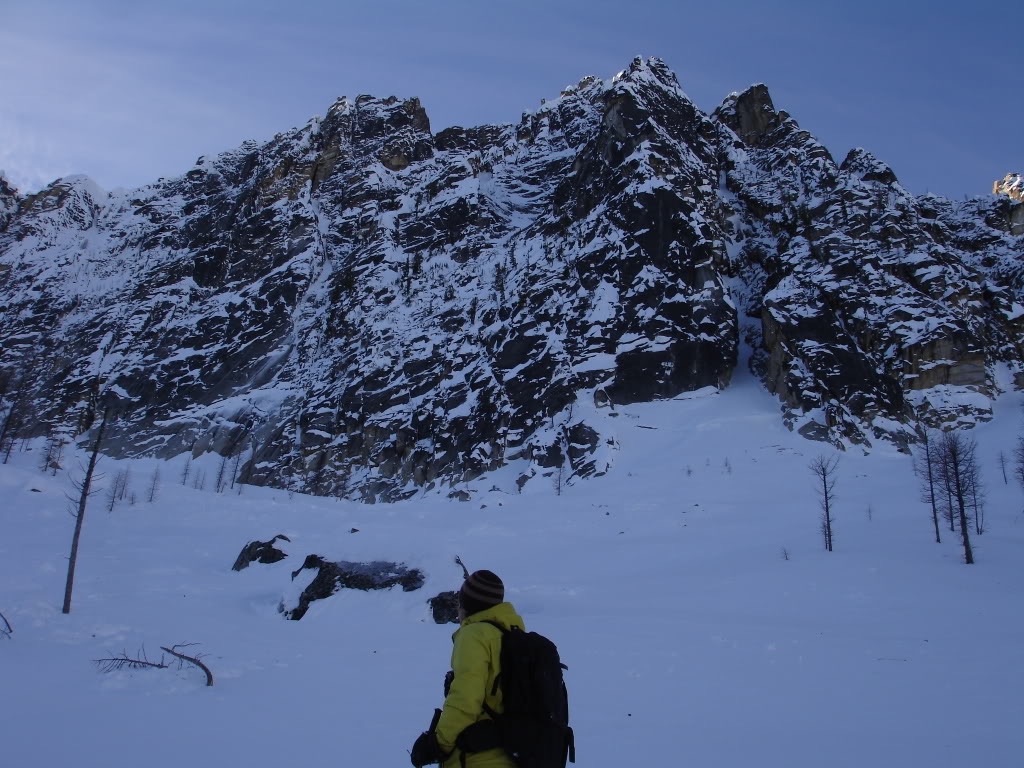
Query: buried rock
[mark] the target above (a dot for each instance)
(445, 607)
(260, 552)
(332, 577)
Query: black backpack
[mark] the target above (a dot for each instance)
(534, 726)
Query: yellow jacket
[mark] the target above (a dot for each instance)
(476, 657)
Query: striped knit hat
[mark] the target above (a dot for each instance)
(481, 590)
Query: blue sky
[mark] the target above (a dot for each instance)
(127, 92)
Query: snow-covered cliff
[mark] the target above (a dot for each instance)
(364, 308)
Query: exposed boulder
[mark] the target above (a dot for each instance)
(333, 576)
(444, 607)
(260, 552)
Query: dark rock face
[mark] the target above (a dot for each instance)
(331, 577)
(260, 552)
(872, 312)
(364, 309)
(751, 116)
(1012, 186)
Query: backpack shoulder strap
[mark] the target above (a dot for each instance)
(497, 680)
(493, 623)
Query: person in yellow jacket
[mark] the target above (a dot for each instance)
(476, 654)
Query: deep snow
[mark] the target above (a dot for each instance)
(690, 638)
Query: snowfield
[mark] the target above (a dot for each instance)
(688, 591)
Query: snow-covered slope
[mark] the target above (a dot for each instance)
(688, 591)
(362, 308)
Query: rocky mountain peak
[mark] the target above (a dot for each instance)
(752, 117)
(72, 202)
(390, 130)
(865, 166)
(650, 71)
(751, 114)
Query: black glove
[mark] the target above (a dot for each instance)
(448, 682)
(426, 751)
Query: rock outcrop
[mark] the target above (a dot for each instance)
(1012, 185)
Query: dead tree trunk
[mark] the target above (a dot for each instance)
(925, 468)
(80, 516)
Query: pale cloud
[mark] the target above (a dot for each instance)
(112, 101)
(26, 159)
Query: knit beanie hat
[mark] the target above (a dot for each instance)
(481, 590)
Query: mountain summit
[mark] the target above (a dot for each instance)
(361, 307)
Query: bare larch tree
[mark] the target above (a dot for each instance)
(961, 483)
(824, 469)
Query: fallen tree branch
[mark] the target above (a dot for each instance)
(125, 661)
(191, 659)
(10, 630)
